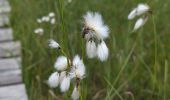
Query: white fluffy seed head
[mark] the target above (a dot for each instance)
(102, 51)
(53, 80)
(95, 22)
(51, 14)
(139, 23)
(62, 75)
(45, 19)
(53, 44)
(75, 94)
(39, 31)
(91, 49)
(132, 14)
(142, 8)
(52, 21)
(65, 84)
(78, 68)
(61, 63)
(39, 21)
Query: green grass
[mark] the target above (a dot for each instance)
(134, 71)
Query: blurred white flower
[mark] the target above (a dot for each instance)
(75, 94)
(52, 21)
(65, 84)
(61, 63)
(94, 25)
(102, 51)
(53, 44)
(39, 31)
(39, 20)
(139, 10)
(140, 22)
(91, 49)
(45, 19)
(51, 14)
(62, 75)
(78, 68)
(53, 80)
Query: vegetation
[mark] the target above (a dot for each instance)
(138, 64)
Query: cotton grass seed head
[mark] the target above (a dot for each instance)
(65, 84)
(75, 94)
(91, 49)
(140, 22)
(61, 63)
(39, 31)
(51, 14)
(53, 80)
(102, 51)
(94, 25)
(53, 44)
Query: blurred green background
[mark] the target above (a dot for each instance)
(129, 73)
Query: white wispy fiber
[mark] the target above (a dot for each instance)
(53, 44)
(78, 68)
(65, 84)
(94, 22)
(75, 94)
(51, 14)
(102, 51)
(39, 20)
(53, 80)
(39, 31)
(52, 21)
(61, 63)
(46, 19)
(140, 22)
(139, 10)
(91, 49)
(62, 75)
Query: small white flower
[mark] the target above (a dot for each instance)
(39, 20)
(142, 8)
(61, 63)
(78, 68)
(53, 44)
(102, 51)
(52, 21)
(75, 94)
(51, 14)
(45, 19)
(65, 84)
(39, 31)
(91, 49)
(53, 80)
(62, 75)
(95, 25)
(140, 22)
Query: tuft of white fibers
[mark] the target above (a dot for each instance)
(45, 19)
(65, 84)
(52, 21)
(140, 22)
(95, 22)
(91, 49)
(75, 94)
(39, 31)
(62, 75)
(53, 44)
(61, 63)
(78, 68)
(142, 8)
(39, 21)
(51, 14)
(53, 80)
(132, 14)
(102, 51)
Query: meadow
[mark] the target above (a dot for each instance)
(138, 63)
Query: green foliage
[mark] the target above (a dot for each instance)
(131, 72)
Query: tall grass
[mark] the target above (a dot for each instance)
(130, 73)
